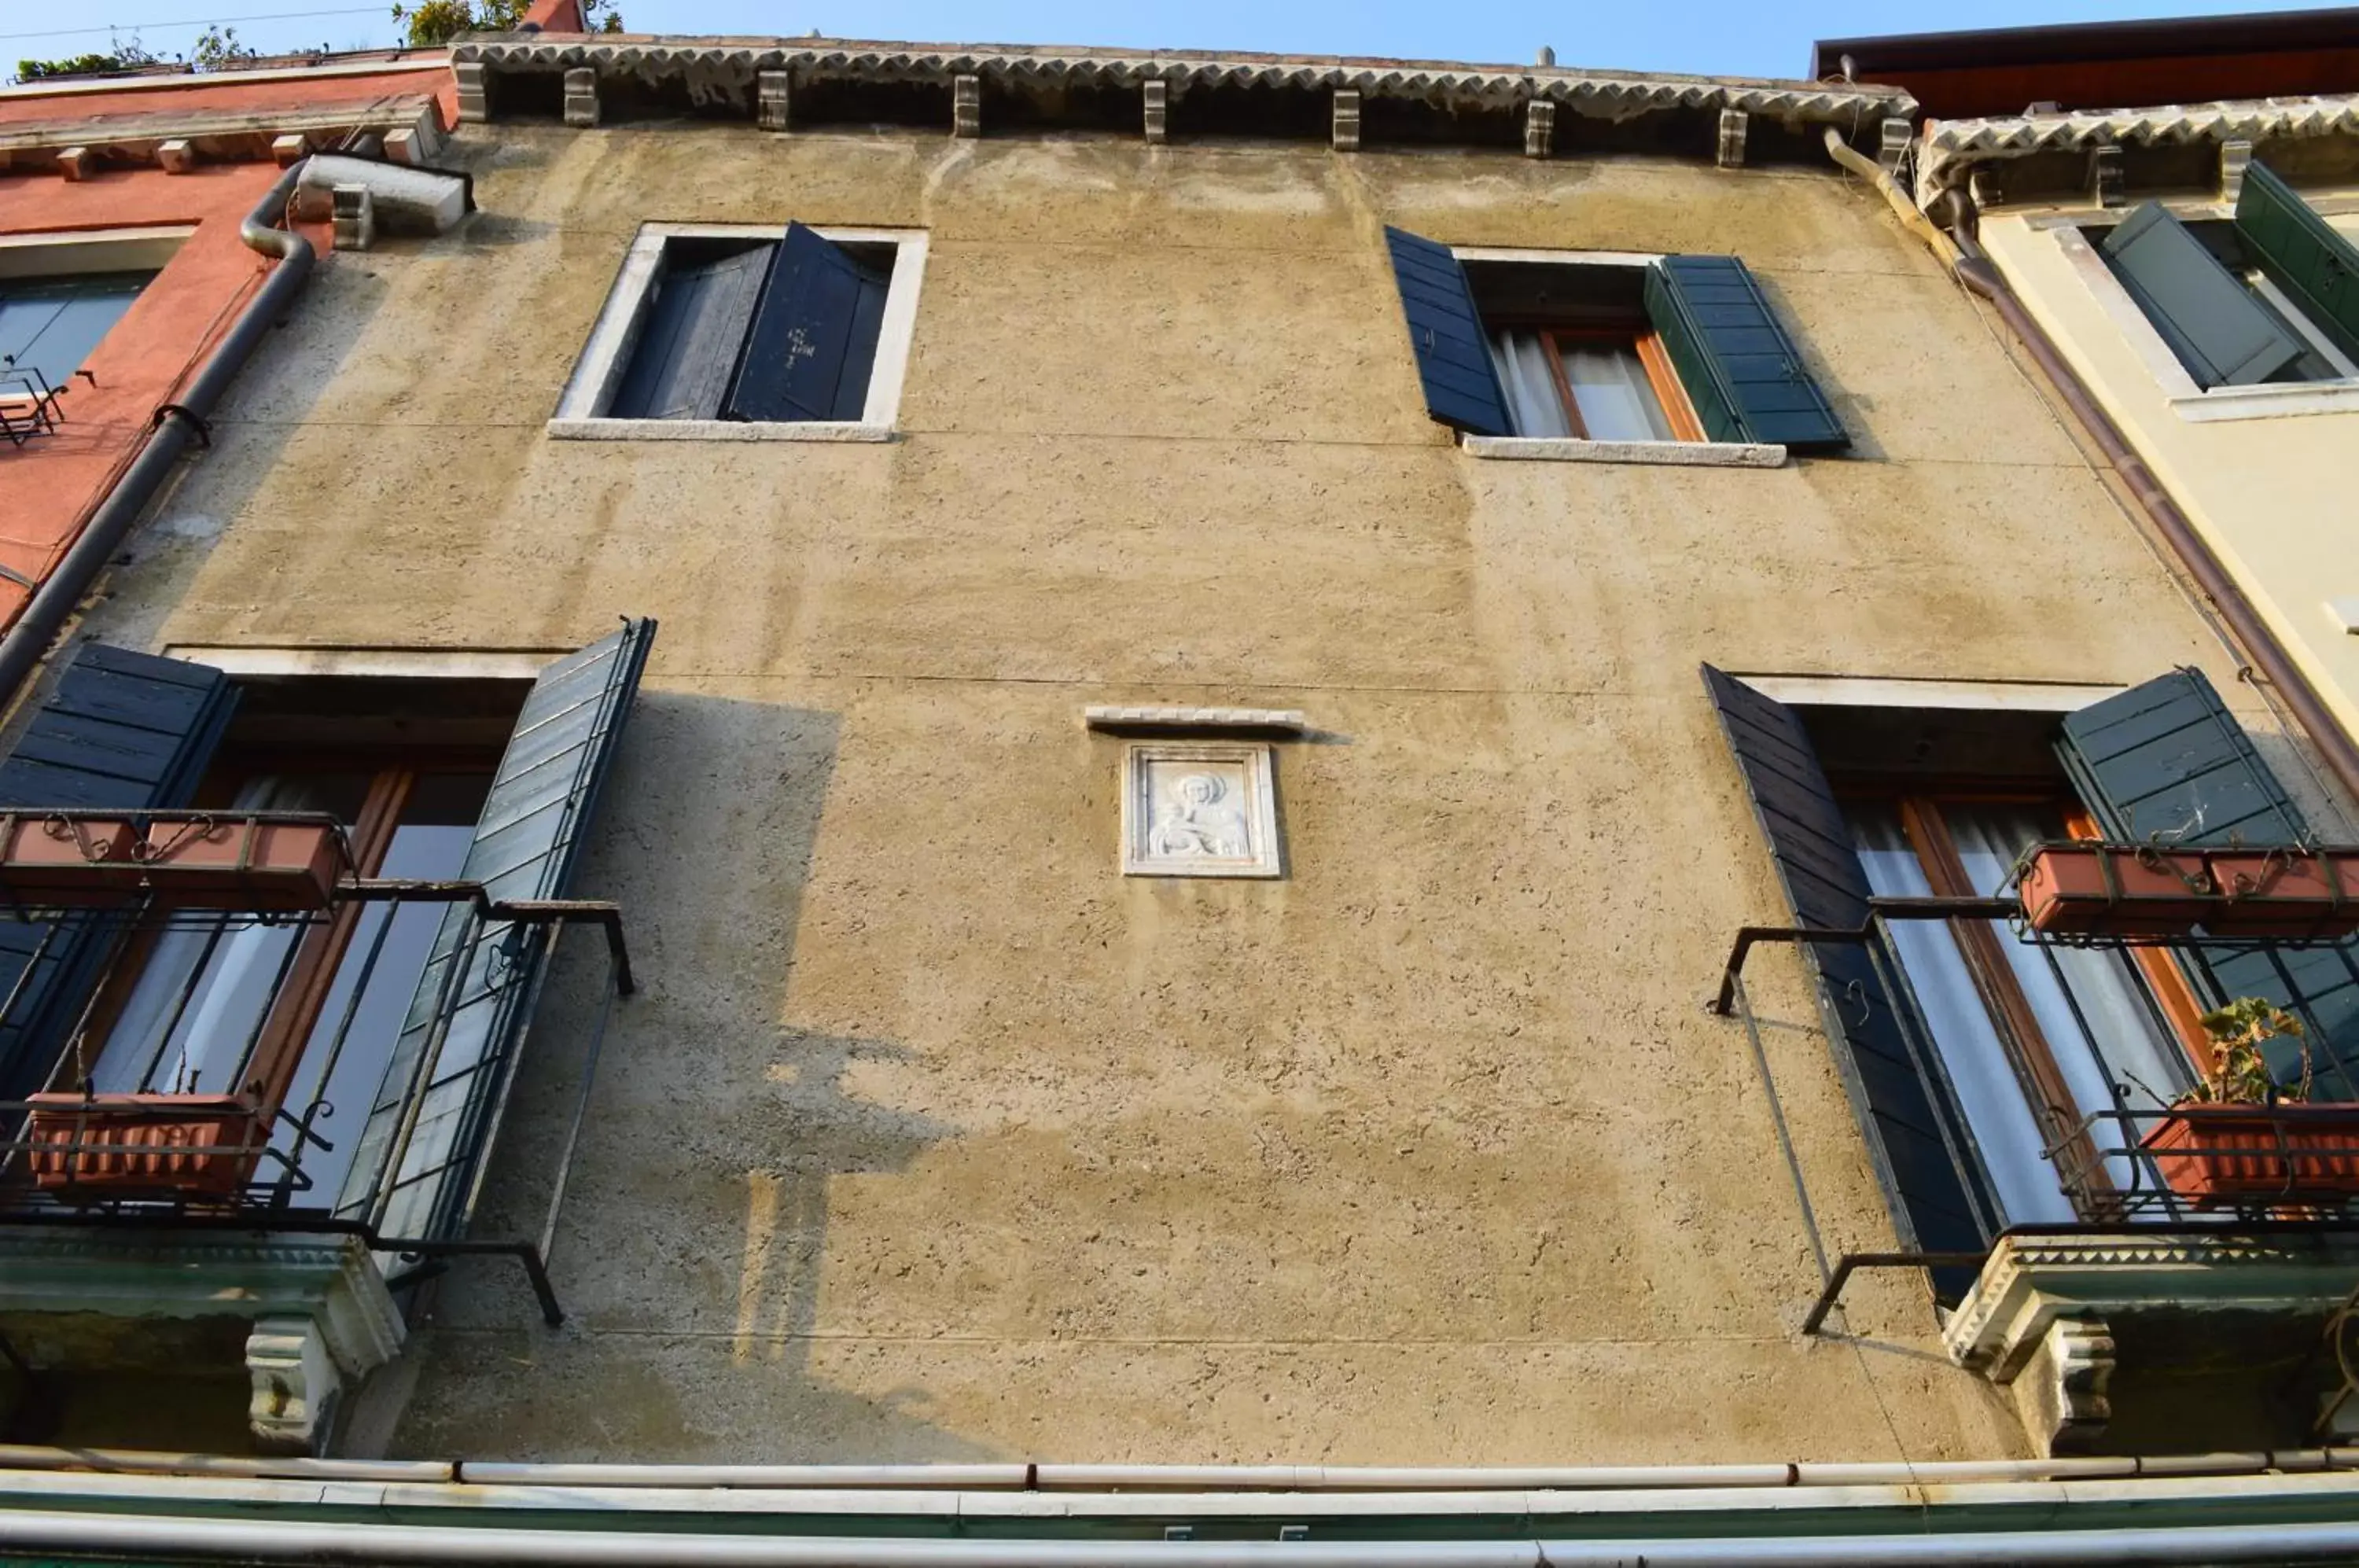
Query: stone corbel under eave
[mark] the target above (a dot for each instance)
(2037, 1315)
(319, 1317)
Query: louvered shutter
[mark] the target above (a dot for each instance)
(475, 998)
(1738, 368)
(2311, 259)
(813, 341)
(2166, 763)
(2210, 320)
(122, 731)
(1918, 1140)
(691, 339)
(1453, 357)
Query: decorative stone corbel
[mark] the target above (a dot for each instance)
(76, 163)
(292, 147)
(772, 98)
(1155, 99)
(966, 105)
(176, 157)
(1892, 142)
(2234, 159)
(1539, 128)
(1347, 119)
(1987, 189)
(2105, 179)
(2061, 1393)
(353, 213)
(581, 96)
(475, 100)
(296, 1385)
(1732, 138)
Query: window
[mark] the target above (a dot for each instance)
(49, 326)
(748, 333)
(1631, 355)
(2270, 298)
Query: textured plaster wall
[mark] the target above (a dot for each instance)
(2272, 497)
(932, 1136)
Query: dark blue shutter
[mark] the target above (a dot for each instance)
(2310, 257)
(1918, 1140)
(814, 337)
(528, 843)
(2166, 763)
(121, 731)
(689, 339)
(1453, 355)
(1738, 368)
(2207, 316)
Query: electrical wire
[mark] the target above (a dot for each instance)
(135, 27)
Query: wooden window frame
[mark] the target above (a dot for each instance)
(1653, 357)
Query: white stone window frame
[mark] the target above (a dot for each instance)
(2189, 401)
(581, 409)
(1553, 449)
(148, 247)
(1260, 809)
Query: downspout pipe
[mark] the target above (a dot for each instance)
(1967, 263)
(177, 425)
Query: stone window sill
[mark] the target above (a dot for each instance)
(1678, 454)
(715, 431)
(2268, 402)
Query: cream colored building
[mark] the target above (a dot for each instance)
(1173, 892)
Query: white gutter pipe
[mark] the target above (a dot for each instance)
(1172, 1477)
(215, 1539)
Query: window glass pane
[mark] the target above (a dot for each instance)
(1988, 1089)
(52, 325)
(1609, 384)
(1533, 402)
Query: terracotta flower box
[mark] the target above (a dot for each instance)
(51, 861)
(150, 1145)
(2285, 893)
(2088, 889)
(2222, 1155)
(240, 863)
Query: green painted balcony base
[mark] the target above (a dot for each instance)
(307, 1315)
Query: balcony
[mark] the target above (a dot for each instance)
(250, 1084)
(2072, 1222)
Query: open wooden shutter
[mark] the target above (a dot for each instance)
(1742, 372)
(2311, 259)
(690, 343)
(122, 731)
(1453, 358)
(813, 341)
(2166, 763)
(475, 999)
(2211, 321)
(1918, 1140)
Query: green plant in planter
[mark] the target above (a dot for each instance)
(2238, 1073)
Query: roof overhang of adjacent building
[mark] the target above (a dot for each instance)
(2169, 145)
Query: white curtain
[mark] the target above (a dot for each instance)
(1533, 401)
(1988, 1089)
(1617, 402)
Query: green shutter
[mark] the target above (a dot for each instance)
(2166, 763)
(1739, 368)
(2207, 316)
(2308, 257)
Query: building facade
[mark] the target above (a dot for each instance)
(1058, 756)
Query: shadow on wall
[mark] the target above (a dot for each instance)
(692, 1255)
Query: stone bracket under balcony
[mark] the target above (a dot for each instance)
(2041, 1317)
(316, 1316)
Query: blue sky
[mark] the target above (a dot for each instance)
(1712, 36)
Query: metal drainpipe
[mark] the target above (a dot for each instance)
(1972, 268)
(54, 602)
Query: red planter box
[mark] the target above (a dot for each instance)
(2221, 1155)
(237, 862)
(154, 1145)
(55, 861)
(2085, 889)
(2285, 894)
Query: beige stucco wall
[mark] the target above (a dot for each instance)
(933, 1137)
(2274, 496)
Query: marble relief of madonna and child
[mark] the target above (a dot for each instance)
(1199, 811)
